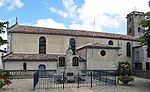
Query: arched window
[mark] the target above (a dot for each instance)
(24, 66)
(42, 67)
(72, 44)
(139, 29)
(130, 19)
(130, 30)
(128, 49)
(61, 61)
(42, 45)
(75, 61)
(110, 42)
(148, 52)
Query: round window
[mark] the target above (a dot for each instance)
(103, 53)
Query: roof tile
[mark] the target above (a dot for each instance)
(31, 57)
(70, 32)
(98, 45)
(34, 57)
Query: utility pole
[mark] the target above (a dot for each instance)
(93, 41)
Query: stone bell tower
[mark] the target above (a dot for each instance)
(133, 26)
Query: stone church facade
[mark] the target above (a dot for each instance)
(71, 50)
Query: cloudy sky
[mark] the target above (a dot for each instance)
(93, 15)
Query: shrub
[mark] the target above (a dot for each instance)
(2, 83)
(4, 78)
(124, 68)
(5, 74)
(125, 79)
(124, 72)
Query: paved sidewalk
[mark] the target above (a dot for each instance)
(82, 89)
(25, 85)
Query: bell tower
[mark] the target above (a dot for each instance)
(133, 26)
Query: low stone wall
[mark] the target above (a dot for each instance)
(141, 73)
(22, 74)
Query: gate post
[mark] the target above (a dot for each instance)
(94, 73)
(36, 79)
(106, 77)
(91, 79)
(115, 79)
(63, 79)
(78, 80)
(100, 75)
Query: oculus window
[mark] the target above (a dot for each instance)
(103, 53)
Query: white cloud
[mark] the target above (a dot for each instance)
(86, 27)
(110, 13)
(1, 3)
(107, 13)
(49, 23)
(62, 13)
(11, 4)
(70, 9)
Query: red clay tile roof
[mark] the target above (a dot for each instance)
(98, 45)
(34, 57)
(70, 32)
(30, 57)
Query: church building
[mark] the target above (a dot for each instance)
(73, 50)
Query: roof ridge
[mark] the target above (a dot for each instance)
(38, 54)
(73, 32)
(71, 29)
(97, 45)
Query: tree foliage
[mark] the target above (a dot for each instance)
(2, 26)
(145, 23)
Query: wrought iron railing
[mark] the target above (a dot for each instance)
(84, 78)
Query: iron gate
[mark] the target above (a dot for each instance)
(45, 79)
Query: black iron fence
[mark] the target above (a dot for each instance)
(51, 79)
(44, 79)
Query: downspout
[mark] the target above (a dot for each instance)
(132, 65)
(86, 58)
(3, 62)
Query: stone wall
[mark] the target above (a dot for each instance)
(22, 43)
(96, 61)
(141, 73)
(31, 65)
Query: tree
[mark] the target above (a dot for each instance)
(3, 75)
(2, 26)
(145, 23)
(145, 39)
